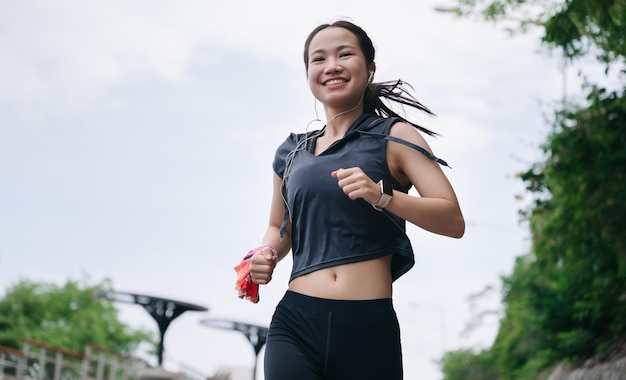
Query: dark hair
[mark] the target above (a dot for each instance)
(395, 91)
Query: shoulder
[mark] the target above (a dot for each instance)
(412, 149)
(399, 132)
(280, 156)
(397, 128)
(292, 143)
(408, 133)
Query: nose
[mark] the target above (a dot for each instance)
(332, 66)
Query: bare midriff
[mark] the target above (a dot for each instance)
(365, 280)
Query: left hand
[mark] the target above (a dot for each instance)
(356, 184)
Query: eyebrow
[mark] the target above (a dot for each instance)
(339, 48)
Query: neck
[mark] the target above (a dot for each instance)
(339, 122)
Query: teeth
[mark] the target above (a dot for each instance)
(334, 81)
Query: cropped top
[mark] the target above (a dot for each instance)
(327, 227)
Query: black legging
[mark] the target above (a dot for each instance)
(320, 339)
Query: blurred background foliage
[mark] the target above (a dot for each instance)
(69, 316)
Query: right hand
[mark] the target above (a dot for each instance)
(262, 266)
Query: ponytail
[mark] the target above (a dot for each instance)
(393, 91)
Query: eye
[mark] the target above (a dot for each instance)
(317, 59)
(345, 54)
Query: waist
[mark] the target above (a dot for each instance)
(305, 302)
(363, 280)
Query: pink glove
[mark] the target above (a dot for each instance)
(244, 285)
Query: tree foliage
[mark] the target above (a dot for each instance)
(68, 316)
(566, 299)
(468, 364)
(576, 26)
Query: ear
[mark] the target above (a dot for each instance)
(372, 71)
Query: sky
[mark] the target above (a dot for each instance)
(136, 142)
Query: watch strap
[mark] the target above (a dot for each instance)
(385, 196)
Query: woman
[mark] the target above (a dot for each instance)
(340, 202)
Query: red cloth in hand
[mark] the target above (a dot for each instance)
(244, 285)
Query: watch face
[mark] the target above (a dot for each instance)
(387, 188)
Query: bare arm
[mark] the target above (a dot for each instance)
(437, 208)
(277, 212)
(263, 262)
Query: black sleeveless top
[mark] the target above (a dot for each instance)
(327, 227)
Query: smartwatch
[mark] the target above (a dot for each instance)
(386, 189)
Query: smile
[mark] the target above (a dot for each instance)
(334, 82)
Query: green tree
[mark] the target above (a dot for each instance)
(566, 299)
(468, 364)
(68, 316)
(579, 27)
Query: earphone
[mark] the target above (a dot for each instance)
(371, 77)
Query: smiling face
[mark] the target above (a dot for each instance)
(337, 69)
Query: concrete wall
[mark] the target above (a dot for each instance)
(612, 370)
